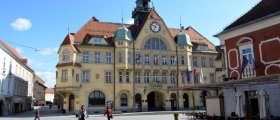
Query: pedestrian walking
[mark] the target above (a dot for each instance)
(37, 114)
(58, 107)
(108, 112)
(50, 106)
(83, 113)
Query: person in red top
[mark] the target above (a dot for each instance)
(109, 113)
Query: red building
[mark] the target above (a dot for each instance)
(251, 47)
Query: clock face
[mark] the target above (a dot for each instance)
(155, 27)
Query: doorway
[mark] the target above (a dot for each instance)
(71, 102)
(252, 104)
(186, 100)
(155, 101)
(138, 102)
(173, 101)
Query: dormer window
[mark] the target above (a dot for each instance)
(202, 48)
(97, 40)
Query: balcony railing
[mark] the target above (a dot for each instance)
(249, 72)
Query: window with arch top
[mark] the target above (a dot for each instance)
(155, 44)
(66, 55)
(96, 99)
(123, 99)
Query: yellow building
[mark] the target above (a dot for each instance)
(131, 66)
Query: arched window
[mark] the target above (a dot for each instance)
(123, 99)
(155, 44)
(66, 55)
(164, 79)
(96, 99)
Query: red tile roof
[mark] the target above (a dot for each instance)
(106, 29)
(49, 91)
(39, 80)
(262, 9)
(13, 50)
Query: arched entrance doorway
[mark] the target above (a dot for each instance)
(186, 100)
(203, 94)
(173, 101)
(138, 102)
(71, 102)
(155, 101)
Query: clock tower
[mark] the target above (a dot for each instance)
(139, 12)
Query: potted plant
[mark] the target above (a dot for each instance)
(176, 116)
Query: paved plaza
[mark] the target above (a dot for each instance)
(47, 114)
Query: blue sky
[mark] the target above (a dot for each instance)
(43, 25)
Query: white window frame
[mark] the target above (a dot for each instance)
(86, 76)
(164, 77)
(164, 60)
(97, 40)
(97, 56)
(64, 76)
(85, 56)
(155, 77)
(172, 77)
(147, 59)
(137, 77)
(212, 78)
(203, 61)
(108, 58)
(108, 77)
(146, 77)
(127, 77)
(211, 62)
(246, 46)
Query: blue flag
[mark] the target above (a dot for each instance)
(188, 75)
(245, 62)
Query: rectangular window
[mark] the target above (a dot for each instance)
(85, 76)
(164, 60)
(108, 77)
(172, 78)
(212, 78)
(203, 62)
(211, 62)
(108, 57)
(156, 60)
(173, 60)
(77, 77)
(127, 77)
(97, 57)
(195, 61)
(120, 77)
(97, 40)
(137, 77)
(85, 57)
(120, 57)
(147, 59)
(64, 75)
(155, 77)
(247, 52)
(129, 58)
(138, 59)
(183, 60)
(146, 77)
(164, 79)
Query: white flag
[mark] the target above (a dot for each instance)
(201, 76)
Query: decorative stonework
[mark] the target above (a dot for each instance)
(232, 73)
(230, 60)
(270, 50)
(271, 67)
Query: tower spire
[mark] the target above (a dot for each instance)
(122, 15)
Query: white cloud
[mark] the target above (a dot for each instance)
(48, 51)
(32, 62)
(21, 24)
(131, 21)
(19, 50)
(48, 76)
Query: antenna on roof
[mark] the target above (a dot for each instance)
(181, 23)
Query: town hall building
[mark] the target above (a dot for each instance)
(131, 66)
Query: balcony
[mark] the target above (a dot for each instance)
(249, 72)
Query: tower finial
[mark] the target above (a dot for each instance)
(122, 15)
(68, 30)
(153, 5)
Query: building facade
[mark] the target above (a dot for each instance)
(39, 91)
(131, 66)
(251, 52)
(49, 94)
(16, 78)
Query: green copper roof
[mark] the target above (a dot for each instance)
(183, 39)
(123, 33)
